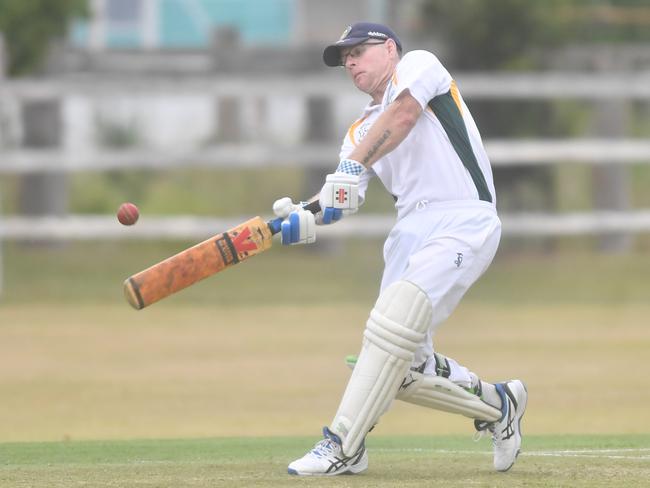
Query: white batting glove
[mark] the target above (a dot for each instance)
(299, 226)
(282, 207)
(340, 193)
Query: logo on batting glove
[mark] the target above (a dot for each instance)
(342, 196)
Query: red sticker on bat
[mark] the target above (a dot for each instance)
(242, 242)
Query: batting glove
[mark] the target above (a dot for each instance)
(298, 226)
(340, 193)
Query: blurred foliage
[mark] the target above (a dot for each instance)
(200, 192)
(29, 26)
(506, 34)
(115, 135)
(478, 35)
(498, 34)
(607, 20)
(209, 192)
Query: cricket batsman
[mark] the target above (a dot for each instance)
(418, 137)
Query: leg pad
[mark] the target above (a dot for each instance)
(441, 394)
(395, 329)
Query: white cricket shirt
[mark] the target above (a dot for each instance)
(443, 158)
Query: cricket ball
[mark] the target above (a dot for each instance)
(128, 214)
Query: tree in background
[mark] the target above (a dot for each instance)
(499, 34)
(29, 26)
(480, 35)
(509, 34)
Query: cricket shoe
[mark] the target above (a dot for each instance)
(327, 459)
(506, 432)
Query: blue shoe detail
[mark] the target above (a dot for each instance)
(500, 387)
(326, 458)
(328, 434)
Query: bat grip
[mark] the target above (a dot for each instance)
(275, 224)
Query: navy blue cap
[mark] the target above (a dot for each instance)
(356, 34)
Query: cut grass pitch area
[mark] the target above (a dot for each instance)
(246, 364)
(547, 461)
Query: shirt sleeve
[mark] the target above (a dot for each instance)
(422, 74)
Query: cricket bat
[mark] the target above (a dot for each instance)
(202, 260)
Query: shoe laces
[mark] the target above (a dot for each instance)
(324, 447)
(482, 428)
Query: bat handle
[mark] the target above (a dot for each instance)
(275, 224)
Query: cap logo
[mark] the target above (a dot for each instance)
(377, 34)
(345, 32)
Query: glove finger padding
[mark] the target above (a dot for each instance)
(330, 215)
(298, 228)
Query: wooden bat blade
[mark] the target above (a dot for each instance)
(198, 262)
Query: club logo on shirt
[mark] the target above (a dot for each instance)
(459, 259)
(362, 130)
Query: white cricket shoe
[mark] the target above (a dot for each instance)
(506, 432)
(327, 459)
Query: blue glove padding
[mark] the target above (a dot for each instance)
(331, 215)
(298, 228)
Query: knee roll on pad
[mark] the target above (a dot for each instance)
(441, 394)
(395, 329)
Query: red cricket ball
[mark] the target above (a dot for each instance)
(128, 214)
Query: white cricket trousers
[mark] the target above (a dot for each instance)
(443, 248)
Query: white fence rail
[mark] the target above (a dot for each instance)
(93, 227)
(540, 85)
(620, 86)
(501, 152)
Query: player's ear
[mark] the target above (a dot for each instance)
(392, 48)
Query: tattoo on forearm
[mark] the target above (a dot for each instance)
(373, 150)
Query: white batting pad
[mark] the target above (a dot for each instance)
(395, 329)
(441, 394)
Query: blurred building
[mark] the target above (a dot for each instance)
(201, 25)
(239, 82)
(174, 24)
(208, 39)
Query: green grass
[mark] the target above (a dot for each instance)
(347, 271)
(571, 461)
(77, 363)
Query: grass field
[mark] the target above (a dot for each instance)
(225, 383)
(549, 461)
